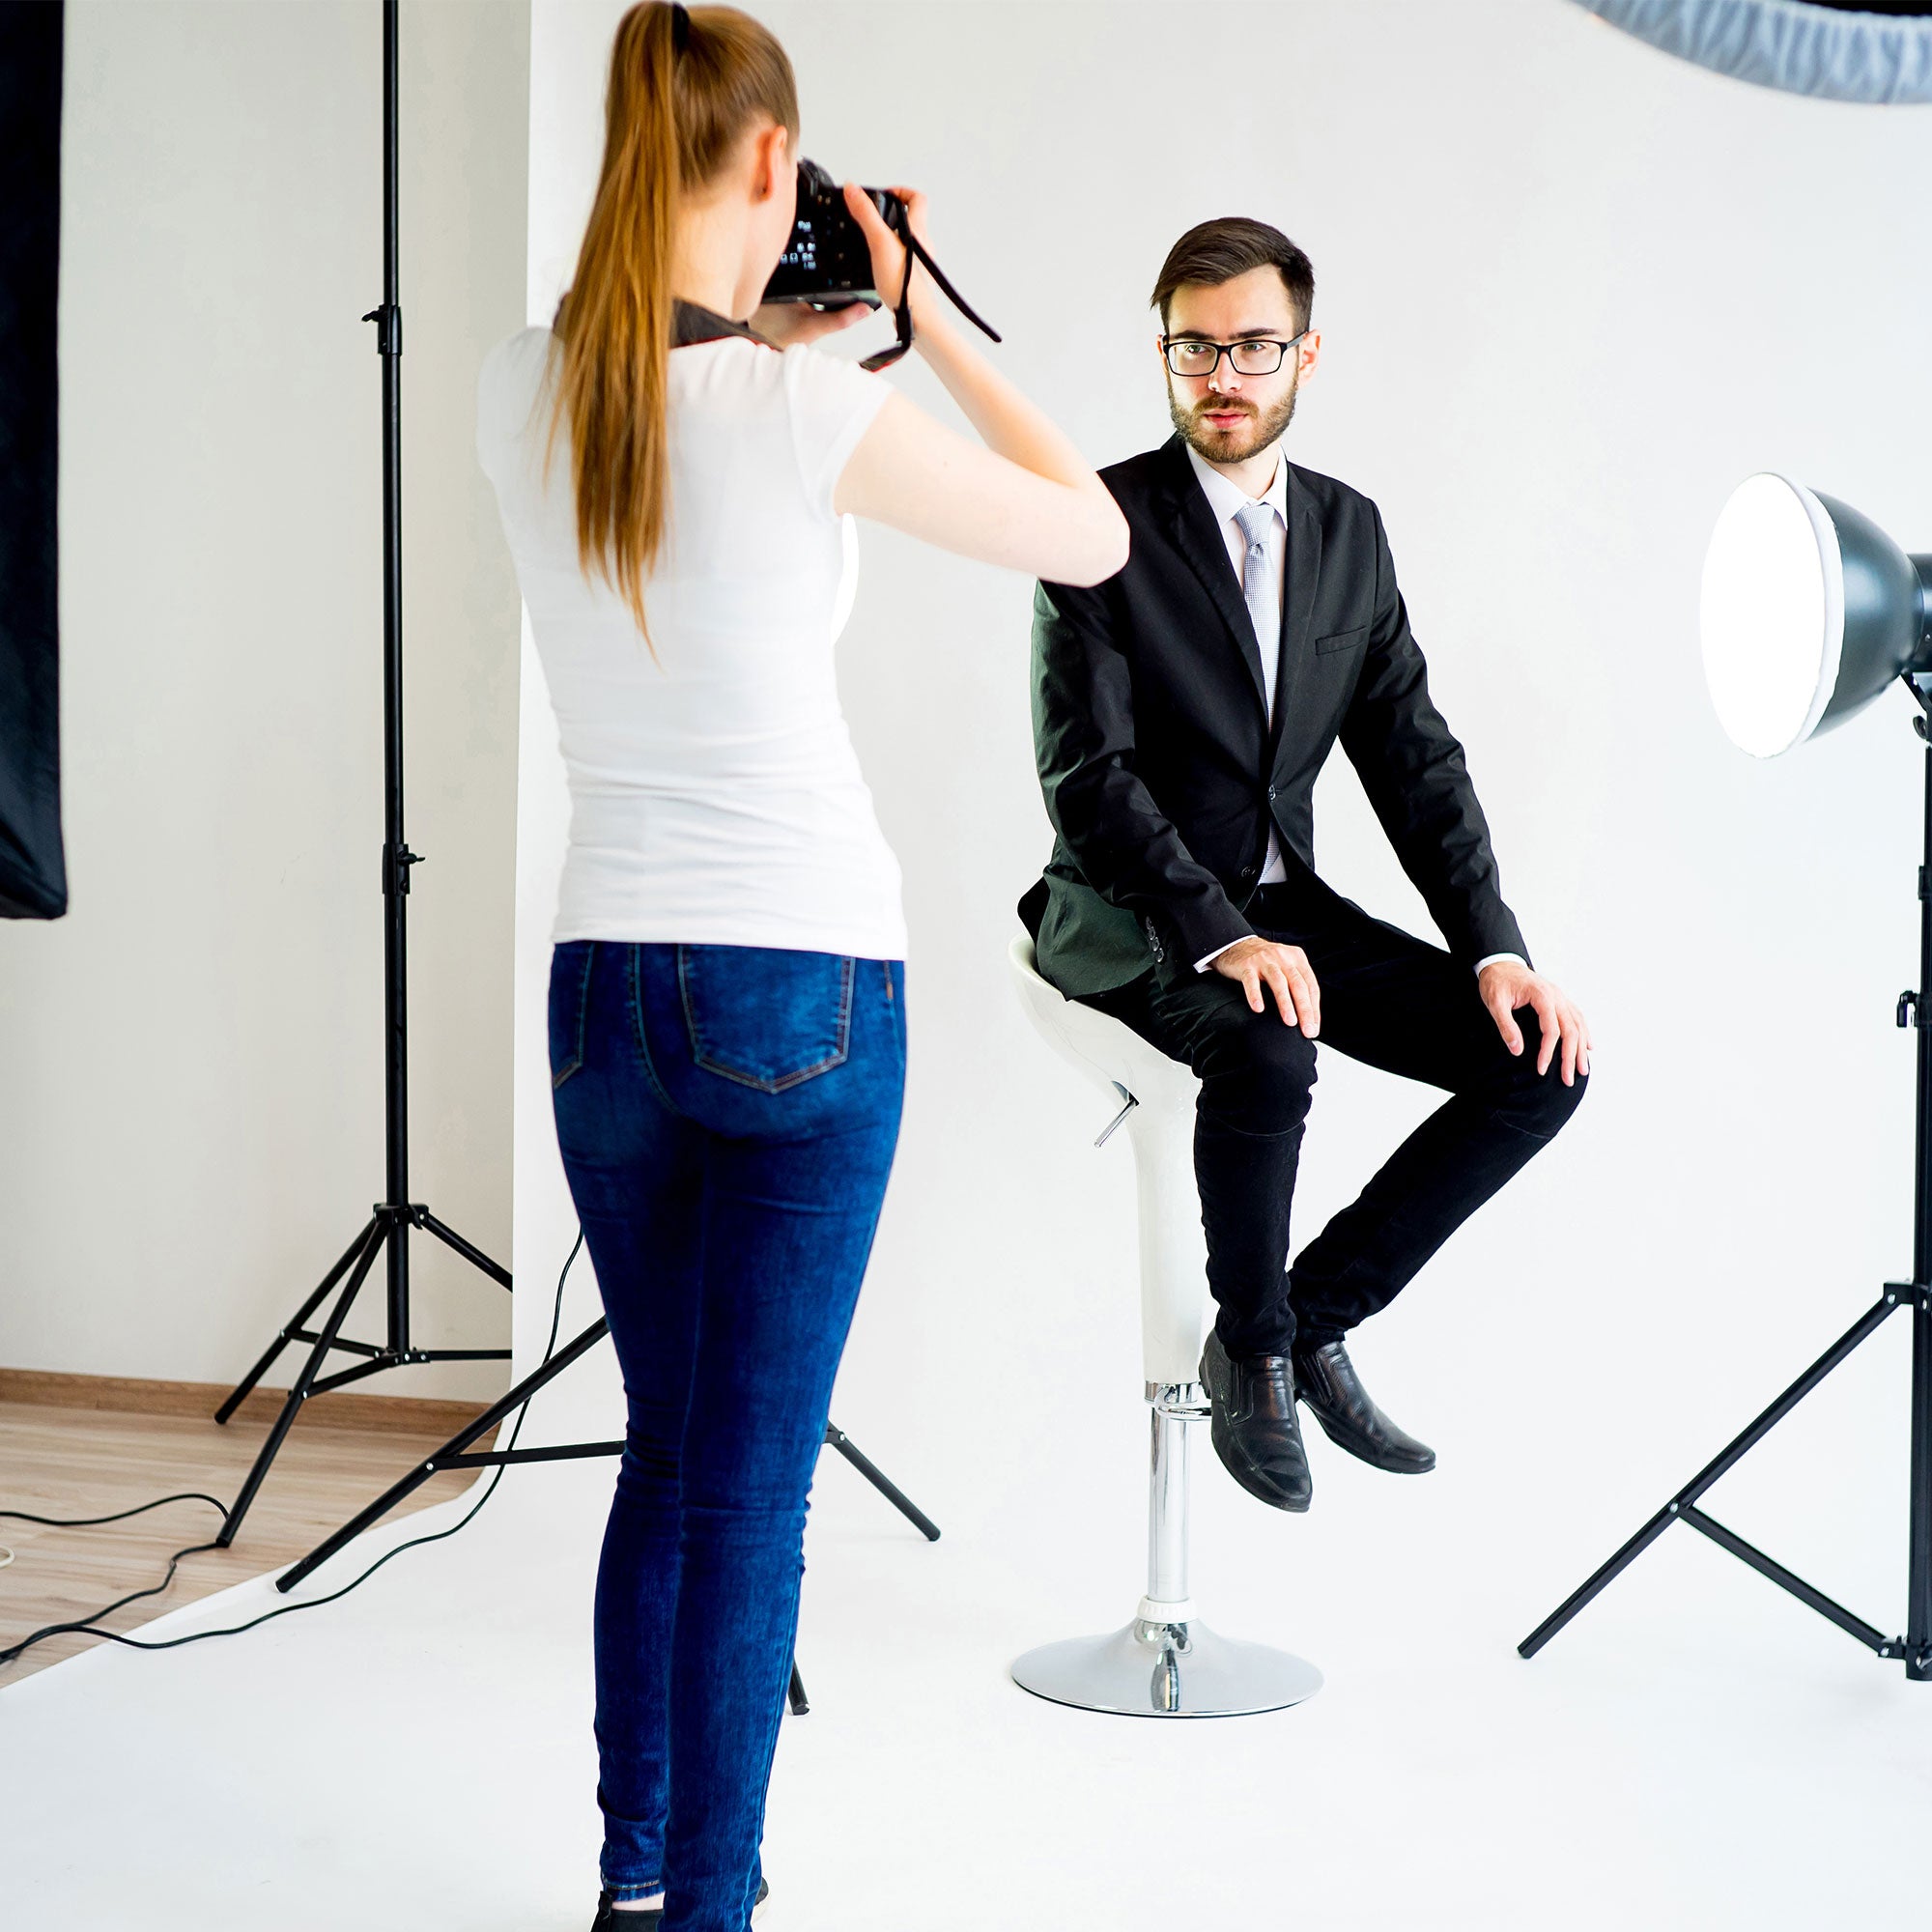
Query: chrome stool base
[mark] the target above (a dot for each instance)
(1167, 1663)
(1167, 1671)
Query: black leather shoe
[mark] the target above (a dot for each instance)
(1325, 1379)
(1254, 1430)
(609, 1919)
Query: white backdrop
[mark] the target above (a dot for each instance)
(1571, 291)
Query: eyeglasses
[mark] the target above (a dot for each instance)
(1256, 356)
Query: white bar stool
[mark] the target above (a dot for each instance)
(1166, 1663)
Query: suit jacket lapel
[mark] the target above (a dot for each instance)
(1198, 539)
(1304, 571)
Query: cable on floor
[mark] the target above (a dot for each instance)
(90, 1626)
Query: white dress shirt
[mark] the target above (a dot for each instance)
(1227, 499)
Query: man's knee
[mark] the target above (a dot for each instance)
(1539, 1103)
(1263, 1079)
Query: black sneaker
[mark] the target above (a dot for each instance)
(609, 1919)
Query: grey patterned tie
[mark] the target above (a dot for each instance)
(1258, 591)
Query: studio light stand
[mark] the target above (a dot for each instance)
(386, 1232)
(1785, 563)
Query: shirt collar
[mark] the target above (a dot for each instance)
(1224, 497)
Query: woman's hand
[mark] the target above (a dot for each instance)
(786, 322)
(889, 252)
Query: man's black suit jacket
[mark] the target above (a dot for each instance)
(1159, 765)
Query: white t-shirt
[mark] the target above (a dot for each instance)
(716, 798)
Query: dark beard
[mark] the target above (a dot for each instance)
(1238, 444)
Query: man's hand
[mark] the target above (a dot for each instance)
(1506, 988)
(1256, 963)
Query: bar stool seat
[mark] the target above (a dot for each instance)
(1166, 1663)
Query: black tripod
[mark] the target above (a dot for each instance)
(456, 1454)
(1915, 1647)
(386, 1232)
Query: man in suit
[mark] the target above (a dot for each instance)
(1182, 711)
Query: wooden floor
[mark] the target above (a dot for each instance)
(85, 1461)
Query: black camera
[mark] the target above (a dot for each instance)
(829, 263)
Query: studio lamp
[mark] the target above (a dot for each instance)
(1808, 612)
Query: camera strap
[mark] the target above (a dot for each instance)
(902, 309)
(691, 324)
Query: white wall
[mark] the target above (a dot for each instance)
(191, 1111)
(1572, 292)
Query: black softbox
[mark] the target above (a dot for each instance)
(33, 870)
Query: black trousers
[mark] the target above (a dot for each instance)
(1391, 1001)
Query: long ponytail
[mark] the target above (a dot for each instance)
(682, 91)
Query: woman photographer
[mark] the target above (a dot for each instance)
(727, 997)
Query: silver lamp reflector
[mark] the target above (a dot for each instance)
(1809, 613)
(1771, 614)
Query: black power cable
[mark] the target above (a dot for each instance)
(90, 1626)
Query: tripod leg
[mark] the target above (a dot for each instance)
(1725, 1458)
(1577, 1598)
(1918, 1579)
(884, 1483)
(357, 1523)
(287, 1335)
(474, 1256)
(438, 1459)
(373, 1239)
(799, 1706)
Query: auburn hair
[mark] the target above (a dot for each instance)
(672, 115)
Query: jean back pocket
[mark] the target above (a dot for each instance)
(765, 1017)
(569, 1007)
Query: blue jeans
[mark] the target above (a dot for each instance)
(726, 1116)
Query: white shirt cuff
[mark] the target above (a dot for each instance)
(1208, 959)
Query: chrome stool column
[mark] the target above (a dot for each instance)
(1166, 1663)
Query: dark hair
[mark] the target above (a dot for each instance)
(1217, 252)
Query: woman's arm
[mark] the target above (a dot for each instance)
(1025, 498)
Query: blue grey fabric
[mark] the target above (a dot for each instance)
(1788, 44)
(1258, 591)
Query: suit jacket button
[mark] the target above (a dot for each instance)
(1247, 872)
(1274, 791)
